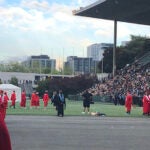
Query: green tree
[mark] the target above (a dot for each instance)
(46, 70)
(107, 61)
(135, 49)
(13, 67)
(0, 81)
(67, 70)
(72, 85)
(14, 81)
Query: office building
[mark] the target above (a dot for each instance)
(95, 51)
(81, 65)
(41, 61)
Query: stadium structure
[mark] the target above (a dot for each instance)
(131, 11)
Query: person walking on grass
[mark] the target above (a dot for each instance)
(5, 142)
(6, 99)
(23, 99)
(37, 99)
(13, 99)
(33, 100)
(86, 101)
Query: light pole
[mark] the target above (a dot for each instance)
(114, 48)
(102, 67)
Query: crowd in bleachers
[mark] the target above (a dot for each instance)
(135, 78)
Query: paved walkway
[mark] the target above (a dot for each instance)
(78, 133)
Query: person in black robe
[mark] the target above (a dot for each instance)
(61, 104)
(54, 99)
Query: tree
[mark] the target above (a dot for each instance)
(67, 70)
(107, 61)
(13, 67)
(46, 70)
(0, 81)
(72, 85)
(135, 49)
(14, 81)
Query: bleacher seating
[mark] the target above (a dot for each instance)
(144, 60)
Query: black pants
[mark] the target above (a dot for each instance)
(60, 110)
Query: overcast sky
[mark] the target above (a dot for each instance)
(34, 27)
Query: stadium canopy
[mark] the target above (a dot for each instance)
(131, 11)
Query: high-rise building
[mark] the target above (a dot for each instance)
(53, 64)
(81, 65)
(41, 61)
(95, 51)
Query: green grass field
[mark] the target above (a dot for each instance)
(74, 108)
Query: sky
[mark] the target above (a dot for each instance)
(34, 27)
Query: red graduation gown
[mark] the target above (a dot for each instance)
(5, 143)
(13, 99)
(5, 103)
(146, 104)
(45, 99)
(23, 99)
(128, 102)
(33, 99)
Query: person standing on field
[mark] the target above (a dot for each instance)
(146, 103)
(86, 101)
(46, 99)
(128, 102)
(61, 104)
(54, 99)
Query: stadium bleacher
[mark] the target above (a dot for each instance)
(144, 60)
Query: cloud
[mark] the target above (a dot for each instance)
(35, 17)
(32, 25)
(16, 17)
(2, 1)
(34, 4)
(106, 29)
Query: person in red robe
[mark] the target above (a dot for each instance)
(2, 110)
(33, 100)
(146, 103)
(46, 99)
(6, 99)
(23, 99)
(149, 102)
(128, 102)
(13, 99)
(5, 143)
(37, 99)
